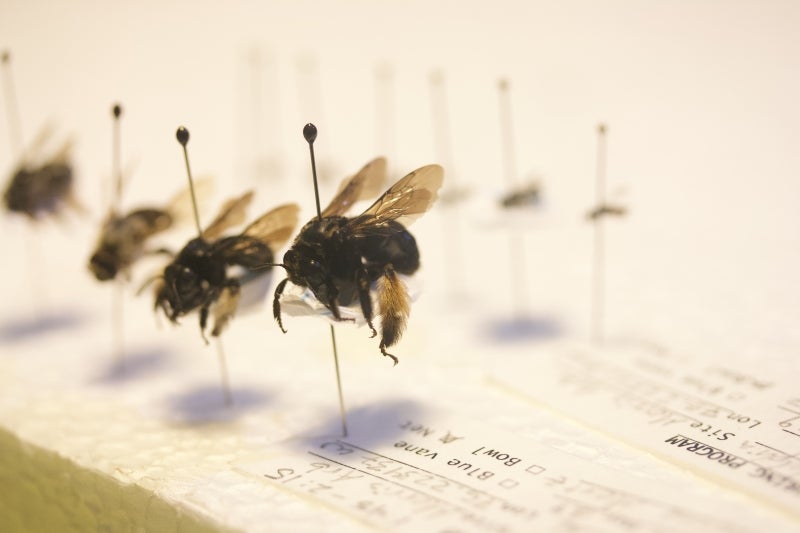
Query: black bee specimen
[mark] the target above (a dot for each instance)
(339, 258)
(198, 277)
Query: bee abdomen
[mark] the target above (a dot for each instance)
(406, 260)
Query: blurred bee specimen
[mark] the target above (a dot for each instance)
(527, 195)
(123, 237)
(39, 189)
(340, 258)
(604, 210)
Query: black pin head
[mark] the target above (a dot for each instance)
(6, 56)
(117, 110)
(310, 133)
(503, 84)
(601, 128)
(182, 135)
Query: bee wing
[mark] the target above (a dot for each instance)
(144, 223)
(407, 199)
(64, 152)
(275, 227)
(180, 206)
(271, 230)
(34, 151)
(230, 214)
(366, 183)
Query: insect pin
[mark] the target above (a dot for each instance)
(340, 259)
(36, 189)
(596, 215)
(199, 278)
(603, 209)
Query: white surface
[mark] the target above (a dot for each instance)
(703, 132)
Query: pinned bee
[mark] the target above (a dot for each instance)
(40, 190)
(36, 189)
(339, 258)
(123, 237)
(604, 210)
(198, 277)
(526, 196)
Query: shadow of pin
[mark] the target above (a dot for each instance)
(372, 425)
(520, 329)
(206, 405)
(23, 329)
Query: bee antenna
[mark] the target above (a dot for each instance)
(264, 266)
(310, 134)
(12, 107)
(148, 282)
(507, 131)
(183, 138)
(116, 158)
(517, 248)
(598, 270)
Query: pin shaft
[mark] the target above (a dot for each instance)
(12, 107)
(598, 270)
(116, 159)
(223, 372)
(183, 138)
(314, 174)
(310, 134)
(342, 412)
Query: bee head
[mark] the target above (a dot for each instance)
(103, 265)
(308, 269)
(182, 290)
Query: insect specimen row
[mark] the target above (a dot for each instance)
(340, 259)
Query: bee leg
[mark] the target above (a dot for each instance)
(225, 307)
(73, 202)
(393, 308)
(204, 321)
(364, 296)
(387, 354)
(333, 302)
(160, 251)
(276, 303)
(333, 307)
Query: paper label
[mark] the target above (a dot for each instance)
(436, 473)
(738, 427)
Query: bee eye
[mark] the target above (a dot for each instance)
(314, 263)
(186, 277)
